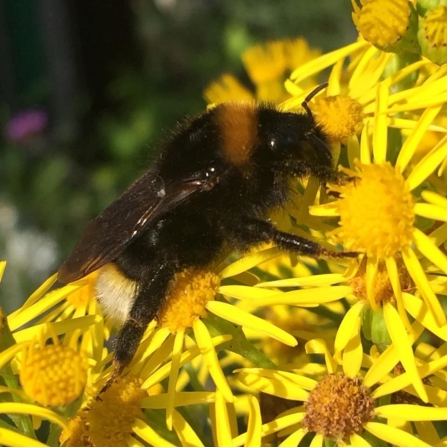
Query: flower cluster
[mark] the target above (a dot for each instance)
(268, 348)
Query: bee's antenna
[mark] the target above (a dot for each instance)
(309, 97)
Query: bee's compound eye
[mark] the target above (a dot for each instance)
(211, 172)
(212, 176)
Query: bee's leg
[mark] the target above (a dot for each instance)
(150, 298)
(256, 231)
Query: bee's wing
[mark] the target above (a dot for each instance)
(106, 237)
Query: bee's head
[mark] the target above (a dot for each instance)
(293, 143)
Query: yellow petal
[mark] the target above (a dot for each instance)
(353, 149)
(430, 250)
(366, 76)
(303, 297)
(419, 310)
(294, 439)
(400, 340)
(434, 198)
(326, 279)
(162, 373)
(148, 434)
(254, 423)
(29, 313)
(412, 142)
(252, 294)
(176, 354)
(34, 410)
(428, 164)
(317, 441)
(388, 359)
(2, 269)
(222, 423)
(334, 88)
(273, 427)
(396, 384)
(428, 431)
(42, 289)
(182, 399)
(358, 441)
(371, 273)
(411, 412)
(349, 325)
(7, 355)
(12, 439)
(313, 296)
(431, 211)
(164, 346)
(380, 133)
(394, 435)
(288, 377)
(353, 356)
(250, 261)
(319, 346)
(393, 275)
(203, 340)
(184, 431)
(276, 383)
(320, 63)
(365, 145)
(418, 275)
(57, 328)
(325, 210)
(245, 319)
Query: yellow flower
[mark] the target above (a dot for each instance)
(69, 309)
(384, 226)
(340, 116)
(432, 34)
(338, 407)
(109, 420)
(267, 66)
(2, 269)
(72, 312)
(226, 88)
(188, 299)
(377, 323)
(382, 22)
(53, 374)
(16, 405)
(191, 299)
(380, 200)
(351, 100)
(343, 406)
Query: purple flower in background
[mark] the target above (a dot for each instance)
(26, 124)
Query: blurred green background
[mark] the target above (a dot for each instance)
(88, 86)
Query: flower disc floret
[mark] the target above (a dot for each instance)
(53, 375)
(340, 117)
(187, 299)
(381, 22)
(432, 34)
(376, 211)
(110, 419)
(338, 407)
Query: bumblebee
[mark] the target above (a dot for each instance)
(212, 186)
